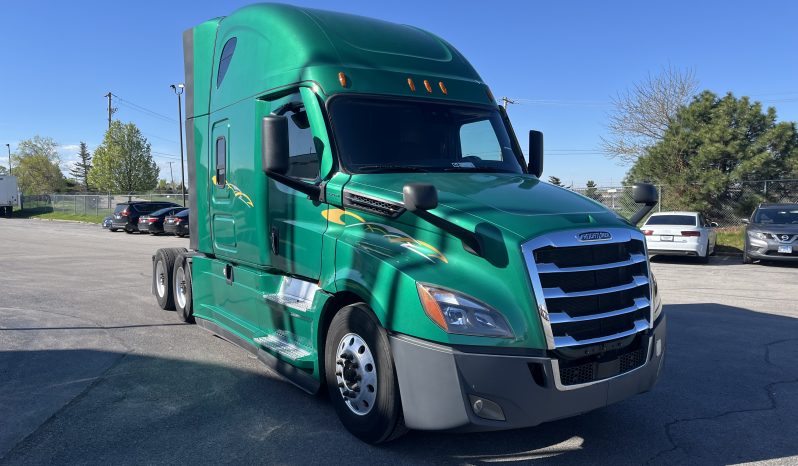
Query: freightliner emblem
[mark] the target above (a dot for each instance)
(594, 236)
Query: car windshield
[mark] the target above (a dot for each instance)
(386, 135)
(684, 220)
(777, 216)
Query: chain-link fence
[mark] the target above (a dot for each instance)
(99, 205)
(726, 205)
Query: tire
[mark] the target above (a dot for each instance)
(163, 273)
(128, 229)
(705, 258)
(182, 289)
(355, 335)
(746, 258)
(113, 229)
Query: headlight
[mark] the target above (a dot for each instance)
(657, 302)
(457, 313)
(758, 235)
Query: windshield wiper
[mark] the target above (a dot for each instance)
(391, 168)
(477, 169)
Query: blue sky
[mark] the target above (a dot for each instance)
(563, 61)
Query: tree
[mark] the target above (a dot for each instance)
(123, 162)
(37, 166)
(714, 143)
(643, 113)
(3, 170)
(80, 171)
(591, 190)
(555, 181)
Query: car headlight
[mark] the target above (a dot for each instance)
(657, 301)
(457, 313)
(758, 235)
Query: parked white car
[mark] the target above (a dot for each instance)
(681, 234)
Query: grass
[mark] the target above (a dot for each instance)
(48, 213)
(730, 240)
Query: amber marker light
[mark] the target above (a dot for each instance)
(411, 84)
(427, 86)
(443, 88)
(342, 79)
(431, 307)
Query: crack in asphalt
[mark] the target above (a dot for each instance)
(768, 390)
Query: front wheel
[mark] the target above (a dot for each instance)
(360, 376)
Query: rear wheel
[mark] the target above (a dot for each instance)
(182, 289)
(704, 258)
(164, 270)
(360, 376)
(128, 229)
(113, 229)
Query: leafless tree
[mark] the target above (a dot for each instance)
(644, 112)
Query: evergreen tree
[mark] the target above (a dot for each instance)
(555, 181)
(80, 171)
(591, 190)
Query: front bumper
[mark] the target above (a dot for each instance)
(768, 250)
(438, 385)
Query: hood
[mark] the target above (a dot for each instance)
(519, 204)
(774, 227)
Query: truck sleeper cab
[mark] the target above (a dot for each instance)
(363, 220)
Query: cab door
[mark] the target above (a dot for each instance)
(296, 223)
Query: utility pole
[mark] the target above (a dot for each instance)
(506, 101)
(111, 110)
(171, 175)
(9, 158)
(178, 88)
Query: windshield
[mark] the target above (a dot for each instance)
(686, 220)
(385, 135)
(782, 216)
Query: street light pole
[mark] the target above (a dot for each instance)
(178, 88)
(9, 158)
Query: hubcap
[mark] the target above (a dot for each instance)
(180, 283)
(160, 279)
(356, 374)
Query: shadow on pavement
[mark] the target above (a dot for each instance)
(728, 394)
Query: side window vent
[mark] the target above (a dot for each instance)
(371, 205)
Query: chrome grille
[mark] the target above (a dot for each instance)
(590, 292)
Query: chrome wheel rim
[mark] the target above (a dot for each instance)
(180, 284)
(356, 374)
(160, 279)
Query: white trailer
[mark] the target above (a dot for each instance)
(9, 194)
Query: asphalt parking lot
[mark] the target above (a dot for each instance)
(93, 372)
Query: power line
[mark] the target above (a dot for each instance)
(142, 109)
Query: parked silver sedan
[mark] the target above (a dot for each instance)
(681, 234)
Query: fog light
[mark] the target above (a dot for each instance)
(486, 409)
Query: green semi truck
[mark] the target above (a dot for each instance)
(364, 221)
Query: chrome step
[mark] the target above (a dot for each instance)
(281, 343)
(294, 293)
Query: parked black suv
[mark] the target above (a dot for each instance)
(126, 214)
(772, 233)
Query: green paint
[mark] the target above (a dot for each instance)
(286, 54)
